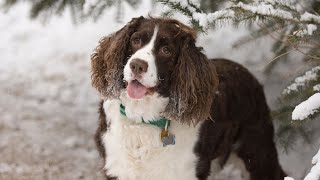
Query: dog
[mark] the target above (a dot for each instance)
(169, 112)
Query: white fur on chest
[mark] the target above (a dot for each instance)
(135, 152)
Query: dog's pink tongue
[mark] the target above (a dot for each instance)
(136, 90)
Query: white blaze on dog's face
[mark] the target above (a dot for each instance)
(154, 49)
(140, 72)
(153, 54)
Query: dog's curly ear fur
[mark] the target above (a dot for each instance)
(108, 59)
(194, 82)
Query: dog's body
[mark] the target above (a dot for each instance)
(215, 107)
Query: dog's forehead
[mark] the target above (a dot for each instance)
(168, 29)
(146, 25)
(165, 28)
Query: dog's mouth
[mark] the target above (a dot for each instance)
(136, 90)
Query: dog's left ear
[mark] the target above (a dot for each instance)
(108, 59)
(194, 82)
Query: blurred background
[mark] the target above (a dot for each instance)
(48, 109)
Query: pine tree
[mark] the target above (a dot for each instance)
(80, 9)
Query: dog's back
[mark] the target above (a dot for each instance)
(241, 123)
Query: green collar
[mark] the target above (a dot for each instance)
(160, 123)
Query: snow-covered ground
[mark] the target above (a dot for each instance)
(48, 109)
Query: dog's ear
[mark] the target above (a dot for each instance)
(194, 82)
(108, 60)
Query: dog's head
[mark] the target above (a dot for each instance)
(156, 55)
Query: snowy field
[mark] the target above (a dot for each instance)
(48, 109)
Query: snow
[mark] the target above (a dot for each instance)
(288, 178)
(314, 173)
(205, 19)
(310, 17)
(185, 4)
(48, 109)
(265, 9)
(88, 5)
(311, 28)
(316, 158)
(12, 168)
(268, 8)
(195, 2)
(307, 108)
(302, 80)
(288, 3)
(316, 87)
(308, 31)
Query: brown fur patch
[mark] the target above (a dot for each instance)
(194, 82)
(194, 79)
(108, 58)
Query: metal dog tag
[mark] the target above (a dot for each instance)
(167, 138)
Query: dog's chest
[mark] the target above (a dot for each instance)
(135, 151)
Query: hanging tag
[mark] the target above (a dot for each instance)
(164, 133)
(167, 138)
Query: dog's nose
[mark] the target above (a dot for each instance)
(138, 66)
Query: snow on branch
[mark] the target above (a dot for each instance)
(205, 19)
(308, 31)
(310, 17)
(314, 173)
(265, 9)
(288, 178)
(280, 10)
(302, 81)
(316, 88)
(307, 108)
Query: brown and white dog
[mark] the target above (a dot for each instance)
(151, 69)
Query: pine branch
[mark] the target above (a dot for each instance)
(241, 12)
(80, 9)
(186, 9)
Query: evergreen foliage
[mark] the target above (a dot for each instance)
(281, 20)
(288, 130)
(80, 9)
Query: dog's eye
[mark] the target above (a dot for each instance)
(136, 42)
(165, 51)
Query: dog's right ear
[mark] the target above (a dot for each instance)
(108, 60)
(194, 82)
